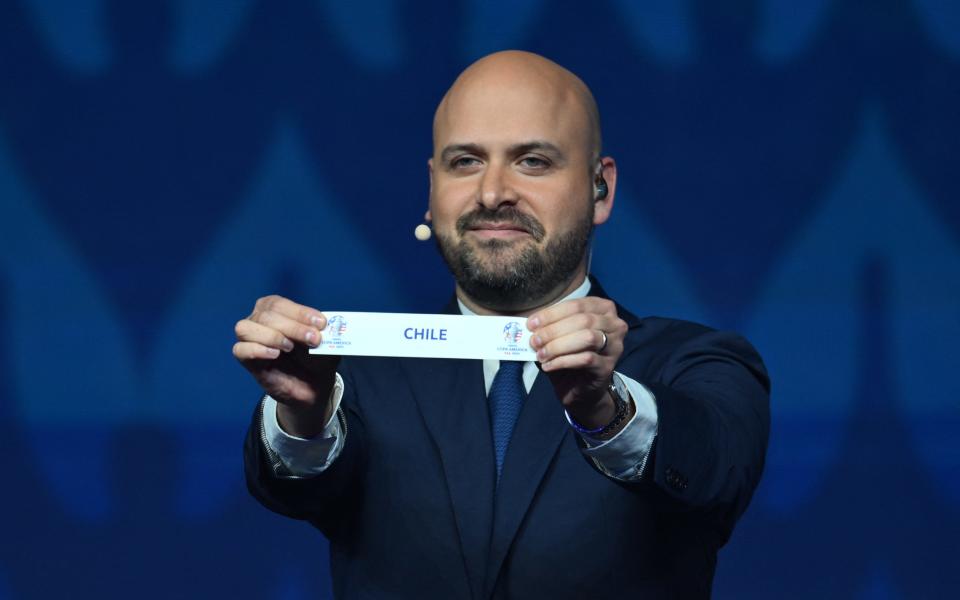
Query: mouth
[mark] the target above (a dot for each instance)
(499, 231)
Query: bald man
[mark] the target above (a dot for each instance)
(617, 464)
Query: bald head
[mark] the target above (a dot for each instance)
(517, 183)
(517, 85)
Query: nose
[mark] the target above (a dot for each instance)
(495, 188)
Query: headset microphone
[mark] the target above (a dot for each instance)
(422, 232)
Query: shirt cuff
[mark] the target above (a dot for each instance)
(304, 457)
(624, 456)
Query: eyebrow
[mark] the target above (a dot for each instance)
(542, 146)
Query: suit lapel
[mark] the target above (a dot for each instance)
(450, 396)
(536, 438)
(535, 441)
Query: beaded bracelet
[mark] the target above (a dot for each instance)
(616, 389)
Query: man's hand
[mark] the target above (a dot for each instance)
(272, 344)
(578, 344)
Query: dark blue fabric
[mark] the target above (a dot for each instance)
(506, 397)
(418, 469)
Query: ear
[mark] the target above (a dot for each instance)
(427, 217)
(430, 172)
(603, 206)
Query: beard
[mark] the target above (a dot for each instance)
(507, 275)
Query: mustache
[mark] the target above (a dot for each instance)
(506, 215)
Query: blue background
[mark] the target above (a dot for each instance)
(787, 169)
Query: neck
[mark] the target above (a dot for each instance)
(557, 293)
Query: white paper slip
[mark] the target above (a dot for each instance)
(425, 336)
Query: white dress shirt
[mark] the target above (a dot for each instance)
(623, 456)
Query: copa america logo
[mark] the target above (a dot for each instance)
(337, 325)
(512, 332)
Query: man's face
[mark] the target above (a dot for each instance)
(512, 191)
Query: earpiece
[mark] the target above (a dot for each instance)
(600, 188)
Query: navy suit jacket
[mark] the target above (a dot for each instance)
(411, 508)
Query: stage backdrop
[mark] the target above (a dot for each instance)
(788, 170)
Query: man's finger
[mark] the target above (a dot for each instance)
(611, 325)
(290, 328)
(575, 322)
(249, 331)
(557, 312)
(290, 309)
(582, 340)
(247, 351)
(580, 360)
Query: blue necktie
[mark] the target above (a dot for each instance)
(507, 394)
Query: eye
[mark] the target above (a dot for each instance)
(464, 162)
(534, 163)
